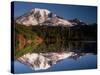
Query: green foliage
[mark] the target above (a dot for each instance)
(27, 49)
(55, 38)
(28, 34)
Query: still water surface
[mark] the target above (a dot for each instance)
(86, 61)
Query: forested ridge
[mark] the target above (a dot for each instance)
(50, 38)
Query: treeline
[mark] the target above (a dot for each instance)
(27, 34)
(79, 32)
(54, 33)
(55, 38)
(85, 32)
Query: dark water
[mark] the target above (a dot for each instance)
(86, 58)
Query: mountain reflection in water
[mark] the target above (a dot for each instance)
(76, 55)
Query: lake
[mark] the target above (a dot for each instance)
(79, 55)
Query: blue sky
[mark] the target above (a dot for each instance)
(85, 13)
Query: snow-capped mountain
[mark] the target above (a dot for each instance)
(39, 16)
(77, 22)
(33, 17)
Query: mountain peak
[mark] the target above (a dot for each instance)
(33, 17)
(38, 16)
(40, 10)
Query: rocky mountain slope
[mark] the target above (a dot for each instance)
(39, 16)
